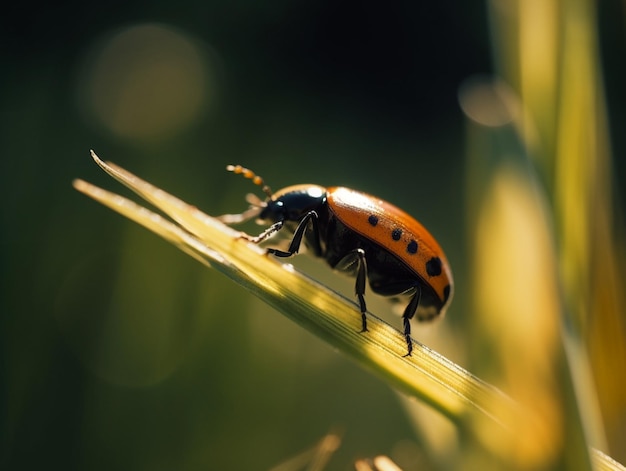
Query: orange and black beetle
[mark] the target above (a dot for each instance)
(361, 235)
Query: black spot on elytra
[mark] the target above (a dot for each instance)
(373, 220)
(446, 294)
(433, 266)
(396, 234)
(412, 247)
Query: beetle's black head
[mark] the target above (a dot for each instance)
(289, 204)
(292, 203)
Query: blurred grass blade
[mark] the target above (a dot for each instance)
(516, 272)
(549, 53)
(315, 458)
(603, 462)
(379, 463)
(590, 255)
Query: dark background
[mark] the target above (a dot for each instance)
(118, 352)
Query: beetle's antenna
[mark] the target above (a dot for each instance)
(247, 173)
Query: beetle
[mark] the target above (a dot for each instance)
(360, 235)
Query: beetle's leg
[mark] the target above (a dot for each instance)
(256, 206)
(357, 256)
(311, 217)
(239, 218)
(409, 312)
(277, 226)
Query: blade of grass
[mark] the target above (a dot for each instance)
(426, 375)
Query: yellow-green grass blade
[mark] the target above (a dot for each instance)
(425, 375)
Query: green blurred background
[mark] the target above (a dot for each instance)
(119, 352)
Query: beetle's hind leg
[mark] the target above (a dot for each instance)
(357, 256)
(409, 312)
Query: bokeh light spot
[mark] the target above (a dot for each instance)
(488, 101)
(147, 82)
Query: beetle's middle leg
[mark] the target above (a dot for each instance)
(357, 256)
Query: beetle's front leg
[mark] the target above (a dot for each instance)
(294, 246)
(274, 228)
